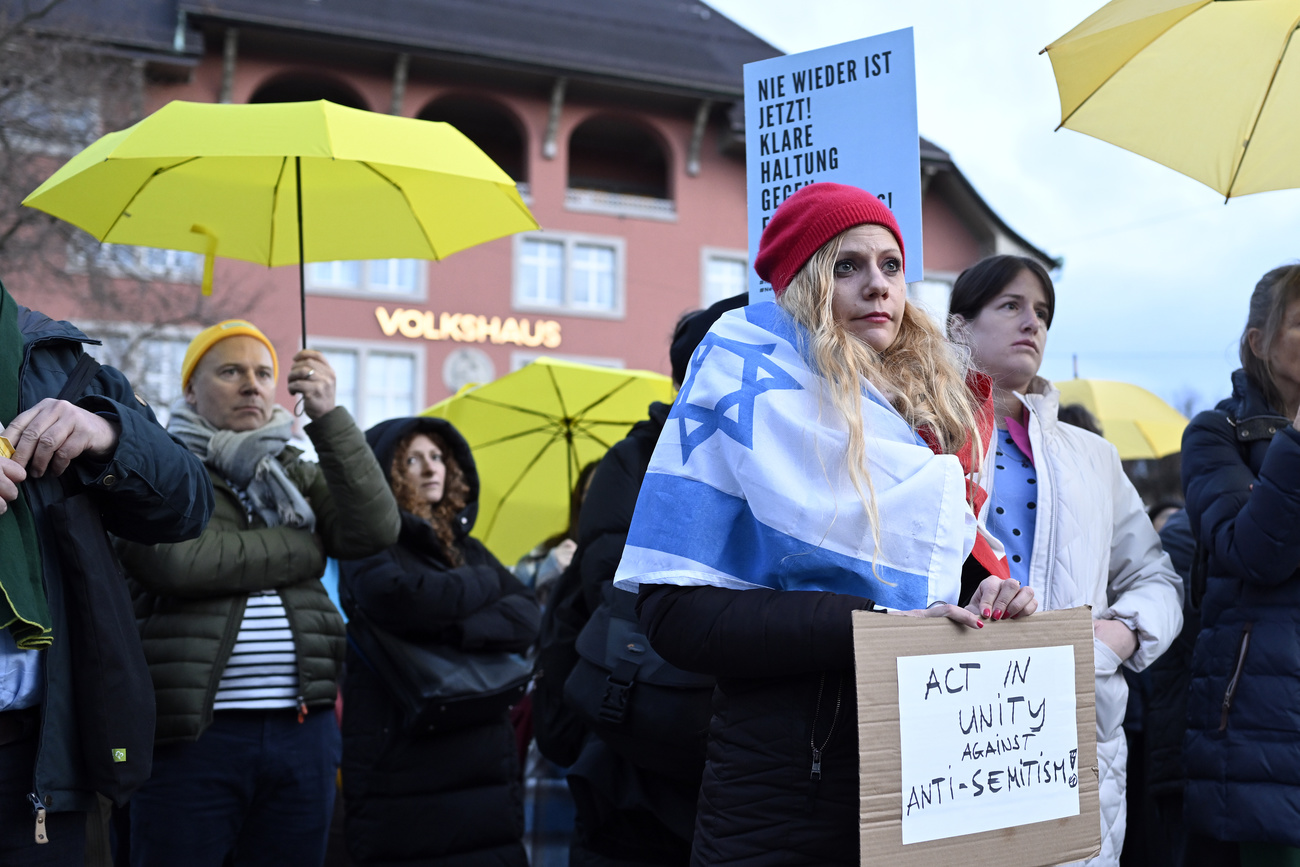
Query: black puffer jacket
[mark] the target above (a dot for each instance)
(784, 663)
(1241, 474)
(454, 797)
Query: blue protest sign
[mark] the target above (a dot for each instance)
(845, 113)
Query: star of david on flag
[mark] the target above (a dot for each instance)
(748, 487)
(760, 374)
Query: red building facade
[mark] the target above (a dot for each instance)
(621, 124)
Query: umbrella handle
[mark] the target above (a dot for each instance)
(209, 255)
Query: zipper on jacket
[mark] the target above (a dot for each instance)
(302, 709)
(817, 751)
(1242, 647)
(42, 833)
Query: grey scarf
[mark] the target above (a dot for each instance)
(247, 459)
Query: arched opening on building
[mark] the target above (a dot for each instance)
(613, 155)
(305, 87)
(490, 126)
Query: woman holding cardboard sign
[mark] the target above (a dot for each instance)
(814, 464)
(1074, 528)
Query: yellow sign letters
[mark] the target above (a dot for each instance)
(468, 328)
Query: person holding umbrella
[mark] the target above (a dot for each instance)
(453, 795)
(242, 640)
(811, 438)
(1074, 528)
(1241, 475)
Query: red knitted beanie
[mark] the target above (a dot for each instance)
(807, 220)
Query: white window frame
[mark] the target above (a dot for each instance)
(708, 253)
(362, 290)
(566, 308)
(363, 348)
(523, 358)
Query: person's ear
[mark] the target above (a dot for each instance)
(1255, 340)
(190, 397)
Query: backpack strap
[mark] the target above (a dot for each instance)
(80, 377)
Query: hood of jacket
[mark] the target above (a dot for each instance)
(384, 437)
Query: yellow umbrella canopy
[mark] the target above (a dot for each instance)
(286, 183)
(1209, 88)
(1139, 424)
(532, 431)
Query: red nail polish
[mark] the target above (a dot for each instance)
(987, 612)
(979, 623)
(997, 615)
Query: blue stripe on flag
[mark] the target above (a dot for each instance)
(723, 533)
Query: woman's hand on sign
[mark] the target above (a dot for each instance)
(1002, 599)
(955, 613)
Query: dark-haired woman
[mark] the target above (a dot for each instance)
(452, 797)
(1241, 474)
(1074, 528)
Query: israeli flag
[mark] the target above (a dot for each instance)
(748, 485)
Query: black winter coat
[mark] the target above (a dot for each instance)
(151, 490)
(784, 663)
(602, 533)
(454, 797)
(1164, 682)
(627, 814)
(1241, 474)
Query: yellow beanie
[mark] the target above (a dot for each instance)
(209, 337)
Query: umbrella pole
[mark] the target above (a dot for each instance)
(302, 268)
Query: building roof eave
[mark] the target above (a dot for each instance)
(569, 61)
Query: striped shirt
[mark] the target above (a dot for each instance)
(263, 667)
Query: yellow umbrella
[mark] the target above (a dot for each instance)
(533, 430)
(1206, 87)
(1139, 424)
(286, 183)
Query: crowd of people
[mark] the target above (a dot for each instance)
(682, 653)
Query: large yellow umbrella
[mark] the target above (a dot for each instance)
(533, 430)
(1139, 424)
(286, 183)
(1210, 88)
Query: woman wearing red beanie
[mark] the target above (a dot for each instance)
(814, 464)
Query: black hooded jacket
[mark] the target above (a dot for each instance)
(454, 797)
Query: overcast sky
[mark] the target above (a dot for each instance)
(1158, 270)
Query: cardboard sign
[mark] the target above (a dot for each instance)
(845, 113)
(976, 737)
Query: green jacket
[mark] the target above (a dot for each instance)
(190, 596)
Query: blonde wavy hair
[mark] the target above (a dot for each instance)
(922, 374)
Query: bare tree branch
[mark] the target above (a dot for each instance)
(22, 22)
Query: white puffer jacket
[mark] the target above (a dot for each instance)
(1094, 545)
